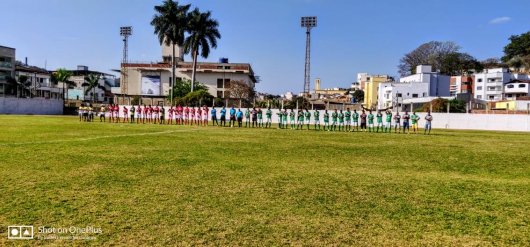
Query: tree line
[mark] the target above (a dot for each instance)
(446, 57)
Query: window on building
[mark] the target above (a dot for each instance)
(398, 95)
(219, 94)
(220, 83)
(479, 88)
(414, 95)
(464, 91)
(227, 67)
(491, 97)
(424, 94)
(508, 95)
(479, 80)
(367, 78)
(522, 85)
(510, 86)
(479, 96)
(408, 94)
(219, 67)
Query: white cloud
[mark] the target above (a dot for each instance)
(500, 19)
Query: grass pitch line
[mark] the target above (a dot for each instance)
(95, 138)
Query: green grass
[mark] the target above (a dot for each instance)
(231, 187)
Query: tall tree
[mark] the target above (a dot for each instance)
(63, 76)
(492, 62)
(170, 22)
(204, 33)
(91, 83)
(460, 64)
(432, 53)
(239, 89)
(519, 46)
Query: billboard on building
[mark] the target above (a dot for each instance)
(150, 85)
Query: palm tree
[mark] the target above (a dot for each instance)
(63, 75)
(170, 22)
(92, 82)
(203, 35)
(23, 81)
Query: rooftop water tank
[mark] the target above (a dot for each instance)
(223, 60)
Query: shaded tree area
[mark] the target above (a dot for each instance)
(358, 95)
(183, 95)
(239, 93)
(440, 105)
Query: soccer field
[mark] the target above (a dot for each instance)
(180, 185)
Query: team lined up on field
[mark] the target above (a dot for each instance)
(347, 121)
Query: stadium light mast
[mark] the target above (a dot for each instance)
(308, 22)
(125, 32)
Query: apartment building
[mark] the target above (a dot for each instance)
(7, 66)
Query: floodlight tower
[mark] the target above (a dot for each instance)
(125, 32)
(308, 22)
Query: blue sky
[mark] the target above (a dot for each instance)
(351, 37)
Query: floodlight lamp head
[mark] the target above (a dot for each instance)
(126, 31)
(309, 21)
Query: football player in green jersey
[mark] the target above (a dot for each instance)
(247, 118)
(268, 114)
(388, 121)
(292, 116)
(370, 122)
(284, 119)
(379, 118)
(280, 114)
(341, 120)
(334, 120)
(300, 119)
(307, 118)
(260, 118)
(355, 117)
(316, 122)
(326, 120)
(347, 116)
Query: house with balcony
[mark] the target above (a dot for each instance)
(490, 84)
(461, 85)
(76, 93)
(40, 84)
(516, 88)
(7, 67)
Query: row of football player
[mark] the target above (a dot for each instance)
(340, 119)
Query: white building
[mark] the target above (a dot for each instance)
(151, 81)
(424, 83)
(490, 84)
(288, 96)
(77, 91)
(516, 88)
(40, 82)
